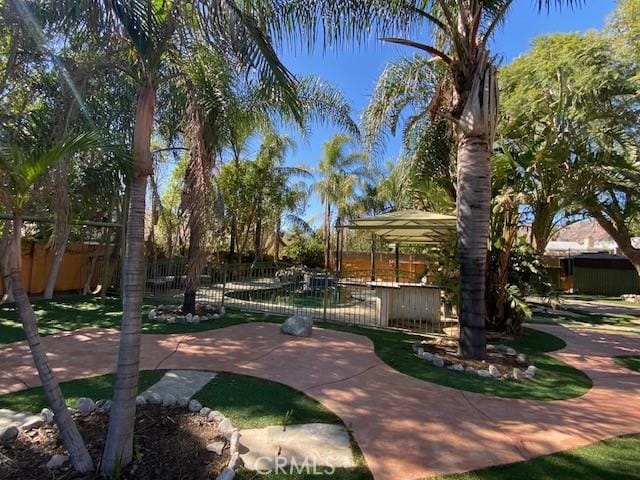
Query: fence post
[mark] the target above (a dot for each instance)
(224, 282)
(326, 293)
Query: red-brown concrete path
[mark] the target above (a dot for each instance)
(407, 428)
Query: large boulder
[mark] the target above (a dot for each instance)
(298, 325)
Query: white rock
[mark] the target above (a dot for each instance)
(437, 361)
(427, 356)
(168, 400)
(221, 311)
(195, 319)
(298, 326)
(518, 374)
(215, 416)
(216, 447)
(140, 400)
(233, 461)
(32, 422)
(188, 318)
(470, 370)
(183, 401)
(8, 434)
(155, 399)
(85, 406)
(234, 442)
(420, 351)
(490, 347)
(494, 372)
(483, 373)
(457, 367)
(226, 428)
(57, 461)
(531, 371)
(521, 358)
(152, 314)
(205, 411)
(215, 316)
(47, 415)
(195, 406)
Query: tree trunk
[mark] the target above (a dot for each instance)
(71, 438)
(620, 234)
(276, 252)
(118, 449)
(257, 239)
(473, 208)
(327, 236)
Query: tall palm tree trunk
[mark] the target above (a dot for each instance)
(473, 207)
(60, 237)
(118, 449)
(327, 235)
(71, 438)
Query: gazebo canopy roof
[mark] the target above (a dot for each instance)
(407, 226)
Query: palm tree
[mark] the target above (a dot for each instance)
(340, 171)
(467, 98)
(21, 166)
(153, 29)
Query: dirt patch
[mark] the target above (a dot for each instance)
(448, 351)
(168, 444)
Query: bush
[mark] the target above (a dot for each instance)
(304, 249)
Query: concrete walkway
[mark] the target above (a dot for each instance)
(407, 428)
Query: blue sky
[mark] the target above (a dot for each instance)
(355, 71)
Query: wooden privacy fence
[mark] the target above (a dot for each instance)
(411, 268)
(82, 266)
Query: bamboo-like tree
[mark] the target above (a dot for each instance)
(22, 164)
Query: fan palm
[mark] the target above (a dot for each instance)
(21, 165)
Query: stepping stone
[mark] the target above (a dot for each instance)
(180, 383)
(317, 443)
(9, 417)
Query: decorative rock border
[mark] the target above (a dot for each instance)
(491, 371)
(85, 406)
(173, 313)
(630, 297)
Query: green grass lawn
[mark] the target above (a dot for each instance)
(554, 381)
(248, 402)
(96, 388)
(630, 362)
(613, 459)
(72, 312)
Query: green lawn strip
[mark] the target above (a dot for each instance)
(96, 388)
(629, 361)
(73, 312)
(555, 380)
(613, 459)
(251, 402)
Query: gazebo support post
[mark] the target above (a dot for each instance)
(397, 262)
(373, 258)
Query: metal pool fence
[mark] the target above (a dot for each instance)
(290, 290)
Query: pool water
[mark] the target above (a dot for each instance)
(314, 298)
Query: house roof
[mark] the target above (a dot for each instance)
(407, 226)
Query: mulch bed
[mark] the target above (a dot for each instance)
(168, 444)
(448, 351)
